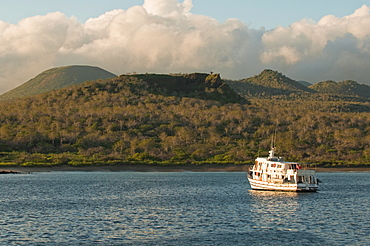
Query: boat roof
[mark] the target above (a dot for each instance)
(274, 160)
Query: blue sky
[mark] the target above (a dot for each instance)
(309, 40)
(255, 13)
(271, 13)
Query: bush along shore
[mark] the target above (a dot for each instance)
(16, 159)
(23, 163)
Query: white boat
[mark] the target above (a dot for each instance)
(274, 174)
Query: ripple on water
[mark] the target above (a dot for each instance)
(179, 209)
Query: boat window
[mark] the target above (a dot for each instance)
(312, 179)
(300, 179)
(279, 166)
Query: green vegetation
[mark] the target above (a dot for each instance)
(268, 82)
(184, 118)
(346, 88)
(57, 78)
(196, 85)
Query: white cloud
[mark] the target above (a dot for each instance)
(167, 8)
(29, 46)
(333, 48)
(163, 36)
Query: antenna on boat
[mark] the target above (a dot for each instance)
(273, 140)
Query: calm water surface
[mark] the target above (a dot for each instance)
(189, 208)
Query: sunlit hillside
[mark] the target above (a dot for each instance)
(57, 78)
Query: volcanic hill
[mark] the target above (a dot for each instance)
(57, 78)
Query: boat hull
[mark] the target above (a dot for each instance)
(292, 187)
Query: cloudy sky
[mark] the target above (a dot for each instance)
(306, 40)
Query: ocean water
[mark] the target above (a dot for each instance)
(185, 208)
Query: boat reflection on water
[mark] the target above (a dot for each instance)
(271, 209)
(270, 194)
(267, 202)
(282, 218)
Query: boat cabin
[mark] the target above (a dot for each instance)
(275, 171)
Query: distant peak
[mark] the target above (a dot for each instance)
(267, 70)
(272, 73)
(274, 83)
(57, 78)
(346, 88)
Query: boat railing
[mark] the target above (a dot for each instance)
(291, 171)
(306, 172)
(307, 166)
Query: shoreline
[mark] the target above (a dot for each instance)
(149, 168)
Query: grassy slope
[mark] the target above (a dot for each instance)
(57, 78)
